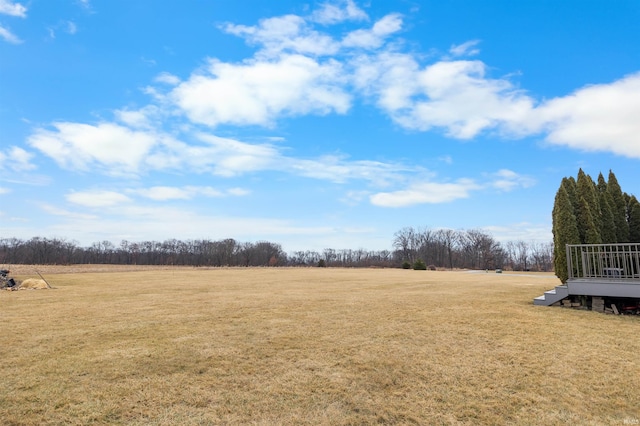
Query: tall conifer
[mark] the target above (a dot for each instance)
(608, 228)
(565, 230)
(633, 217)
(589, 232)
(618, 209)
(587, 210)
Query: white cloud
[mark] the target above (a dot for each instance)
(117, 150)
(390, 77)
(20, 160)
(447, 159)
(71, 27)
(17, 159)
(459, 98)
(465, 49)
(339, 169)
(165, 193)
(258, 92)
(56, 211)
(339, 11)
(7, 7)
(238, 192)
(142, 223)
(143, 118)
(97, 198)
(8, 36)
(167, 78)
(374, 38)
(425, 193)
(68, 27)
(602, 117)
(289, 33)
(4, 190)
(523, 231)
(455, 96)
(81, 146)
(228, 157)
(508, 180)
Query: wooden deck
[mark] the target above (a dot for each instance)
(599, 270)
(604, 288)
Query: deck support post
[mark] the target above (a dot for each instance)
(597, 304)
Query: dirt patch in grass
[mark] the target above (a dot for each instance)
(311, 346)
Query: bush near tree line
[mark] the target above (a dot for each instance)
(419, 265)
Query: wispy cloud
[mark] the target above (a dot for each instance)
(338, 11)
(85, 4)
(167, 78)
(507, 180)
(57, 211)
(98, 198)
(522, 231)
(8, 36)
(71, 27)
(8, 7)
(119, 150)
(17, 159)
(374, 38)
(166, 193)
(426, 193)
(285, 34)
(68, 27)
(467, 48)
(142, 223)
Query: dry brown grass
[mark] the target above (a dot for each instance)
(311, 346)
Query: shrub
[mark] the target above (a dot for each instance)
(431, 267)
(419, 265)
(322, 263)
(406, 265)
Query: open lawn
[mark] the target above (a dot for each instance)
(314, 346)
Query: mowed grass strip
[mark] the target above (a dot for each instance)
(313, 346)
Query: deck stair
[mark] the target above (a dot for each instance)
(552, 296)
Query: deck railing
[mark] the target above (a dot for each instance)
(613, 262)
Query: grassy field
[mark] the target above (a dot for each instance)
(310, 346)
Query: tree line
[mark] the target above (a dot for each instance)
(470, 249)
(592, 212)
(442, 248)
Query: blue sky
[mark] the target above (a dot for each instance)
(310, 124)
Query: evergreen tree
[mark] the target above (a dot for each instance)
(602, 183)
(587, 209)
(571, 187)
(587, 228)
(565, 230)
(633, 217)
(586, 212)
(608, 228)
(618, 208)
